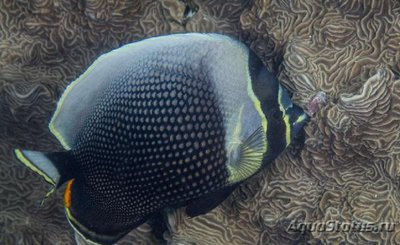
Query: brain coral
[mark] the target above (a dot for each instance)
(348, 169)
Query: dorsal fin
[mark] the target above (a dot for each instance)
(81, 96)
(56, 168)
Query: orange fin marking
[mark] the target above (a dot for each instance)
(67, 194)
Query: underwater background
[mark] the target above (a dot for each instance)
(348, 169)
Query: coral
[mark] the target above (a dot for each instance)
(347, 170)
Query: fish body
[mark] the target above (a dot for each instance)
(170, 121)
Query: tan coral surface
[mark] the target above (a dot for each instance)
(347, 171)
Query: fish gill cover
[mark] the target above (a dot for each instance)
(347, 170)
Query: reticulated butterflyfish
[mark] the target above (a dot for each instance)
(169, 121)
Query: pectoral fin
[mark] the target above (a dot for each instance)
(247, 158)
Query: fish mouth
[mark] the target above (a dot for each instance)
(301, 120)
(298, 124)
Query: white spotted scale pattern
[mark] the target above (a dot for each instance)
(155, 139)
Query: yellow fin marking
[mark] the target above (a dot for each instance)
(20, 156)
(285, 117)
(48, 194)
(257, 105)
(252, 158)
(52, 128)
(69, 88)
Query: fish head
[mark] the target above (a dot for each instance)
(293, 115)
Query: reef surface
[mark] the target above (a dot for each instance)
(348, 169)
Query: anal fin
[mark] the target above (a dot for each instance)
(208, 202)
(56, 168)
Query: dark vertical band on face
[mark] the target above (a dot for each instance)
(266, 88)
